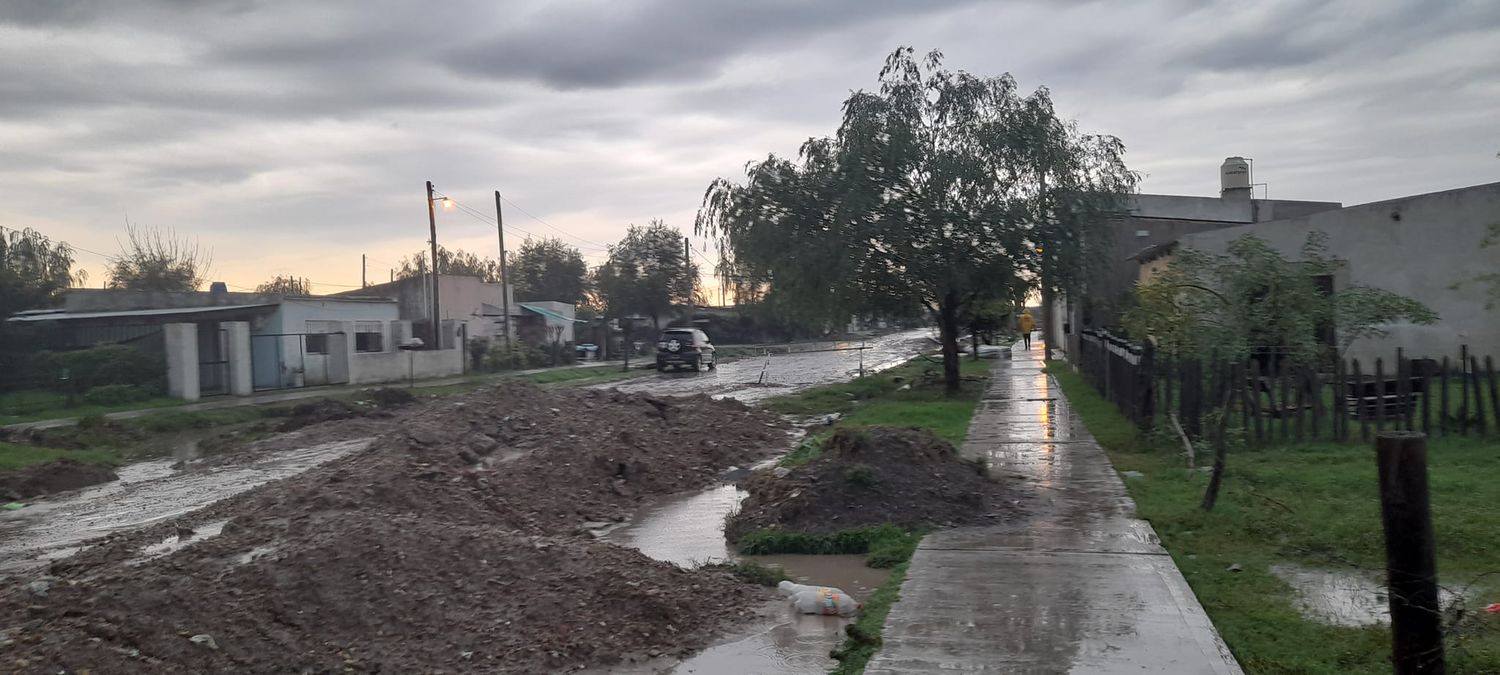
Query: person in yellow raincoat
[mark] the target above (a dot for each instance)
(1027, 325)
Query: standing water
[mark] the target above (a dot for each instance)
(689, 531)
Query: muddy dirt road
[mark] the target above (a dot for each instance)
(786, 373)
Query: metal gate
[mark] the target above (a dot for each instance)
(293, 360)
(213, 362)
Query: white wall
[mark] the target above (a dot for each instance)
(395, 366)
(1419, 247)
(280, 360)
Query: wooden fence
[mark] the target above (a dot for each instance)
(1271, 399)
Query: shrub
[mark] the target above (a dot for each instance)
(860, 475)
(99, 366)
(115, 394)
(520, 357)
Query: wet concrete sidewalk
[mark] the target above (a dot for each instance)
(1081, 587)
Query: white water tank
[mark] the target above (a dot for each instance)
(1234, 174)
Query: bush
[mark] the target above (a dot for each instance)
(100, 366)
(886, 545)
(115, 394)
(521, 357)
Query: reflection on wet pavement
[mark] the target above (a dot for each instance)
(742, 379)
(1079, 586)
(146, 493)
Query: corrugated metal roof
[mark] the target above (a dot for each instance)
(171, 311)
(552, 315)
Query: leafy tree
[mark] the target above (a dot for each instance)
(548, 269)
(1234, 305)
(286, 285)
(454, 263)
(648, 272)
(33, 271)
(156, 259)
(943, 190)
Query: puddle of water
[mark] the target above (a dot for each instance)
(174, 542)
(1342, 598)
(147, 492)
(690, 530)
(687, 531)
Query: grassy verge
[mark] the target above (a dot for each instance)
(34, 411)
(885, 545)
(1316, 505)
(750, 572)
(14, 456)
(863, 636)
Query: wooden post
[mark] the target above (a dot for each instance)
(1283, 408)
(1489, 371)
(1379, 396)
(1359, 400)
(1443, 388)
(1478, 397)
(1146, 381)
(1338, 407)
(1410, 559)
(1463, 389)
(1255, 384)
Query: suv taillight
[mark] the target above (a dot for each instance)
(661, 345)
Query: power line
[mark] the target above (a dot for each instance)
(539, 220)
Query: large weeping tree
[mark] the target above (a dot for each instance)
(943, 189)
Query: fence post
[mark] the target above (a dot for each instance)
(1478, 394)
(1489, 371)
(1146, 379)
(1411, 565)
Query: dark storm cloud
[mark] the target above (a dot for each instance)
(612, 44)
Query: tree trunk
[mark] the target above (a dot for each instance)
(1216, 479)
(1050, 340)
(948, 334)
(974, 339)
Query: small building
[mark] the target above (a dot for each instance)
(478, 305)
(218, 342)
(1426, 247)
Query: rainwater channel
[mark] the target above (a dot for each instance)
(146, 493)
(689, 530)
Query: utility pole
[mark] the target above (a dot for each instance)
(364, 279)
(504, 278)
(437, 340)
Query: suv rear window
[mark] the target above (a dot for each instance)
(679, 335)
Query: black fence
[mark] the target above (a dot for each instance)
(1272, 398)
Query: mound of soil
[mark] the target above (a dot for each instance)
(870, 476)
(447, 546)
(55, 476)
(317, 411)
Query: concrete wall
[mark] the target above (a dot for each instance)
(1416, 246)
(181, 340)
(395, 366)
(461, 298)
(280, 361)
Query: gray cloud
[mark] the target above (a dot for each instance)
(307, 129)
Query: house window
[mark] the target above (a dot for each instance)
(369, 336)
(316, 343)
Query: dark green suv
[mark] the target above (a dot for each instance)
(684, 348)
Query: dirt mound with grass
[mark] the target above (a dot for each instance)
(872, 475)
(455, 543)
(55, 476)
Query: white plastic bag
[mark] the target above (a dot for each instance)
(819, 599)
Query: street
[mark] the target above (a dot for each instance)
(785, 373)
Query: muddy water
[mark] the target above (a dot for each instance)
(146, 493)
(689, 531)
(1342, 598)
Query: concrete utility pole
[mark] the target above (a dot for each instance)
(364, 279)
(504, 278)
(437, 340)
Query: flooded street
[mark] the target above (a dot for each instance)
(689, 531)
(146, 493)
(785, 373)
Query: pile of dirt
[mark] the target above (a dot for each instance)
(317, 411)
(452, 544)
(55, 476)
(869, 476)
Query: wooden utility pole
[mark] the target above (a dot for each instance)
(364, 279)
(1410, 559)
(437, 340)
(504, 278)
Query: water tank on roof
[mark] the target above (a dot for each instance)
(1234, 174)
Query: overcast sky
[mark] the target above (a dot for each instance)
(290, 137)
